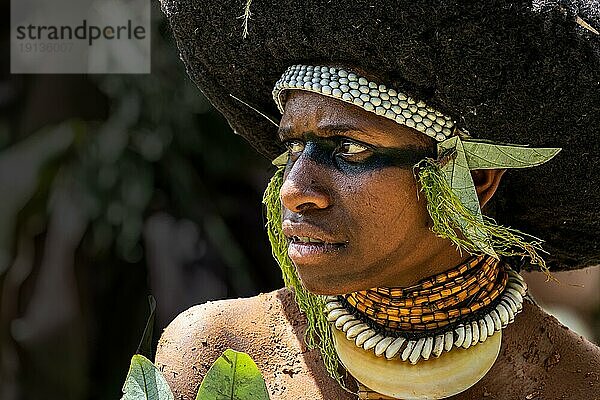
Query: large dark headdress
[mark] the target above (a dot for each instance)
(517, 72)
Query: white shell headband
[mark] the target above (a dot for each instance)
(354, 89)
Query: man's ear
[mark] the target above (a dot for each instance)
(486, 182)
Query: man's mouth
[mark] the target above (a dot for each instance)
(309, 243)
(308, 250)
(305, 239)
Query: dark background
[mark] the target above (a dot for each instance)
(113, 187)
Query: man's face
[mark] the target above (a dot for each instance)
(351, 209)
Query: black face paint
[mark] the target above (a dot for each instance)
(328, 152)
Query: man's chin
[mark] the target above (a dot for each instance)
(326, 285)
(326, 291)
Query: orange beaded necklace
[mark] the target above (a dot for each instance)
(436, 301)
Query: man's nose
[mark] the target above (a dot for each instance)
(303, 188)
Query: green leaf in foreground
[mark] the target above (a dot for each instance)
(145, 382)
(234, 376)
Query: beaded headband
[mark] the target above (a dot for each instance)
(354, 89)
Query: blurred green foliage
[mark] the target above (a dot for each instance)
(113, 187)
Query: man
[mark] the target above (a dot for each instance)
(351, 224)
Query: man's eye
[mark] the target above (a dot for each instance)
(351, 149)
(295, 146)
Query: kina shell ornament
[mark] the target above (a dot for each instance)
(437, 379)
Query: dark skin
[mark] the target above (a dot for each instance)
(374, 231)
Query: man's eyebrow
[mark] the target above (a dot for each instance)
(284, 131)
(336, 129)
(330, 129)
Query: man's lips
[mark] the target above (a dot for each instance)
(301, 232)
(308, 243)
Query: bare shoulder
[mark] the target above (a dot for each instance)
(542, 359)
(571, 363)
(199, 335)
(269, 327)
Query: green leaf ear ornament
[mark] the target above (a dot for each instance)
(452, 200)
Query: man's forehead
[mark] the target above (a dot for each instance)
(325, 129)
(311, 112)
